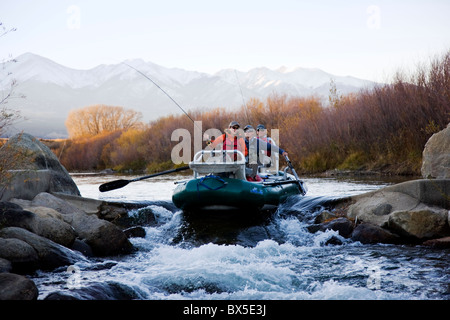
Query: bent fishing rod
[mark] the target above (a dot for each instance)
(116, 184)
(173, 100)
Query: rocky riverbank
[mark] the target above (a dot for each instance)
(413, 212)
(46, 224)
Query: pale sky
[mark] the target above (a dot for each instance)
(366, 39)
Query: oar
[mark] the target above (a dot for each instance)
(116, 184)
(300, 183)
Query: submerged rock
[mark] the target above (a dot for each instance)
(342, 225)
(441, 243)
(369, 233)
(96, 291)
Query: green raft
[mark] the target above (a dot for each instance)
(221, 184)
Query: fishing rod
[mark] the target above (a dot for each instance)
(242, 95)
(173, 100)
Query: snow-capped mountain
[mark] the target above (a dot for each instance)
(52, 90)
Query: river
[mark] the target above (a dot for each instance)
(276, 259)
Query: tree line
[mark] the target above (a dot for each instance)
(383, 128)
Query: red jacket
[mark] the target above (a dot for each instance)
(228, 143)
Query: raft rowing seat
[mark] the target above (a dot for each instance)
(219, 161)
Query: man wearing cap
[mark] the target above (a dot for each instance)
(255, 146)
(262, 133)
(232, 139)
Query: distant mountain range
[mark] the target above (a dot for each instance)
(52, 90)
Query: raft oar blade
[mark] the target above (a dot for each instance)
(117, 184)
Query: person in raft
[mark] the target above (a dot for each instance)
(257, 150)
(232, 139)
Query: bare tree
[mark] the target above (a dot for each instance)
(96, 119)
(7, 86)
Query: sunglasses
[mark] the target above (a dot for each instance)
(235, 127)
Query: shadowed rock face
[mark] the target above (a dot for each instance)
(436, 156)
(34, 169)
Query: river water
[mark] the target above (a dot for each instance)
(276, 258)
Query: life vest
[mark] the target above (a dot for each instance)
(229, 144)
(233, 144)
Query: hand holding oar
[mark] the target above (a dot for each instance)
(117, 184)
(300, 183)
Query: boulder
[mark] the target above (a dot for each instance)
(44, 222)
(421, 224)
(323, 216)
(50, 254)
(49, 224)
(34, 169)
(102, 236)
(441, 243)
(5, 265)
(135, 232)
(342, 225)
(21, 255)
(97, 291)
(436, 156)
(17, 287)
(12, 215)
(83, 247)
(415, 209)
(111, 211)
(368, 233)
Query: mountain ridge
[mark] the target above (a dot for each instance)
(52, 90)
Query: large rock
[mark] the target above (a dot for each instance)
(436, 155)
(50, 254)
(97, 291)
(22, 256)
(49, 224)
(102, 236)
(420, 224)
(414, 209)
(343, 225)
(33, 169)
(5, 265)
(369, 233)
(42, 221)
(441, 243)
(17, 287)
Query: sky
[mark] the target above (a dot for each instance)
(366, 39)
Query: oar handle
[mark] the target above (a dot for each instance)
(117, 184)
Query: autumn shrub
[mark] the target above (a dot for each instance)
(86, 153)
